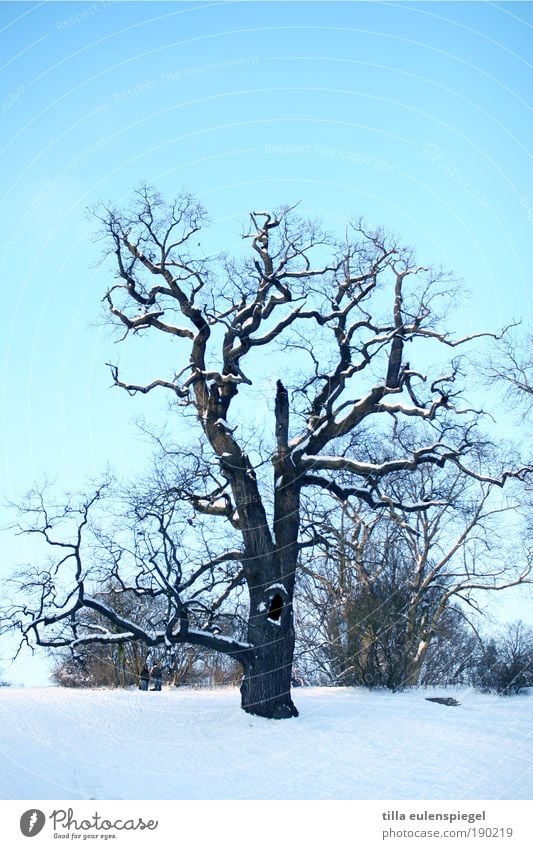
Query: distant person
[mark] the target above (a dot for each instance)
(157, 677)
(144, 678)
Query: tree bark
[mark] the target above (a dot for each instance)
(415, 663)
(266, 685)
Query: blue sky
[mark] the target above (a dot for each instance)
(415, 115)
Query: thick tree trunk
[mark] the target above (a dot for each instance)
(266, 685)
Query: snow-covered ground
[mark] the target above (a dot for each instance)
(197, 744)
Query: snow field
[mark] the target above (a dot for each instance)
(197, 744)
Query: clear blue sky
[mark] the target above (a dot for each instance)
(415, 115)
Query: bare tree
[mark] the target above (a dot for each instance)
(511, 365)
(454, 651)
(343, 313)
(506, 664)
(385, 587)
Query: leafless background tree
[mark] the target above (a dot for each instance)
(381, 593)
(510, 365)
(506, 663)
